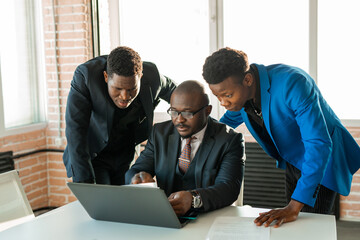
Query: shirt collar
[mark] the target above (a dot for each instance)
(199, 135)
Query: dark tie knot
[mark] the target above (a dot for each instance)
(189, 140)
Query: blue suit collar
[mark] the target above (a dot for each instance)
(265, 108)
(265, 95)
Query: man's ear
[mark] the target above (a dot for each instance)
(208, 110)
(105, 76)
(248, 79)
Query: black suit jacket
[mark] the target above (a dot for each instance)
(89, 113)
(219, 166)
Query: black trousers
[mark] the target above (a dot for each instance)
(325, 200)
(109, 174)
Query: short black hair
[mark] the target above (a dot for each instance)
(224, 63)
(123, 61)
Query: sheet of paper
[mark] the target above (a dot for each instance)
(229, 228)
(149, 184)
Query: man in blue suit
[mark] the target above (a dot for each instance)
(285, 112)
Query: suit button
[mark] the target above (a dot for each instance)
(95, 154)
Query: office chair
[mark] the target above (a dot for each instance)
(14, 205)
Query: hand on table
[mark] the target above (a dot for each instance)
(142, 177)
(181, 202)
(281, 215)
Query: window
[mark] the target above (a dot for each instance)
(338, 55)
(269, 32)
(178, 35)
(19, 72)
(174, 35)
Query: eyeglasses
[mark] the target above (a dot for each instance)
(187, 115)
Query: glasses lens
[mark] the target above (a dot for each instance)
(172, 113)
(187, 115)
(175, 114)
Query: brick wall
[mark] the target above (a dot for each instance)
(33, 168)
(350, 205)
(72, 42)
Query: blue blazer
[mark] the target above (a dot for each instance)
(305, 131)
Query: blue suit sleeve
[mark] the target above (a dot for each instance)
(232, 119)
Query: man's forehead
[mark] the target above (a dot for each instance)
(219, 90)
(226, 85)
(184, 97)
(130, 81)
(183, 103)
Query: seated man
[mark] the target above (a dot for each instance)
(197, 161)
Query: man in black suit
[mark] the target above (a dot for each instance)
(197, 161)
(109, 111)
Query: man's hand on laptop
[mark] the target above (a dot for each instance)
(181, 202)
(142, 177)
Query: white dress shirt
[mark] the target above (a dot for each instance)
(195, 143)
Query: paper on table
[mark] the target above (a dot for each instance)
(229, 228)
(149, 184)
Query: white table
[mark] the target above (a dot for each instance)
(72, 222)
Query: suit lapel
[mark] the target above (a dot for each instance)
(265, 103)
(173, 147)
(109, 114)
(265, 98)
(265, 108)
(265, 95)
(146, 99)
(204, 151)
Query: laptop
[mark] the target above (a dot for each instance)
(128, 204)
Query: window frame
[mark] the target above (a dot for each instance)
(37, 78)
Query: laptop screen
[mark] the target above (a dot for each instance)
(128, 204)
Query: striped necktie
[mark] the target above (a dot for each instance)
(184, 159)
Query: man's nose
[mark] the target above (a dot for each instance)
(180, 118)
(125, 95)
(223, 102)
